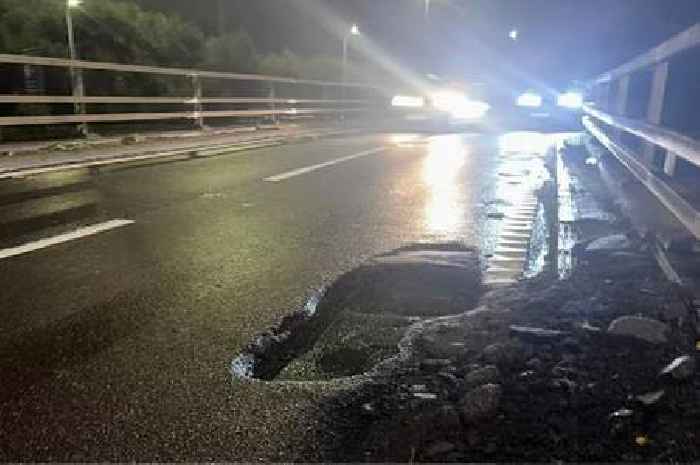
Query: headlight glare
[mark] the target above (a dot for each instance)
(573, 100)
(407, 101)
(530, 99)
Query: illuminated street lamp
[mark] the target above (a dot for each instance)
(76, 74)
(514, 34)
(353, 32)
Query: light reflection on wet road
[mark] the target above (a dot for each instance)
(119, 344)
(445, 208)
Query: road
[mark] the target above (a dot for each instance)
(116, 344)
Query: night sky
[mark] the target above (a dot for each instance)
(560, 40)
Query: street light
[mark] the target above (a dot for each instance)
(353, 32)
(514, 34)
(76, 74)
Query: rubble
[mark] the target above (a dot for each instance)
(438, 449)
(483, 375)
(646, 329)
(622, 413)
(681, 368)
(133, 139)
(480, 403)
(608, 243)
(507, 353)
(535, 334)
(651, 398)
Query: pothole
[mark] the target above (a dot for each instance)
(358, 322)
(343, 361)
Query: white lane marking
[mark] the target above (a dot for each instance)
(309, 169)
(67, 237)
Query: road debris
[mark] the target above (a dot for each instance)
(646, 329)
(681, 368)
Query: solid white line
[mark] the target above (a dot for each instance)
(67, 237)
(309, 169)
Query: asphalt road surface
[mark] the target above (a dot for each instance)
(127, 291)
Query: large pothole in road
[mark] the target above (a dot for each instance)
(359, 321)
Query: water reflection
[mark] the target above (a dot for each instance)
(524, 143)
(521, 167)
(444, 213)
(404, 140)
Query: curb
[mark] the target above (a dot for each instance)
(202, 151)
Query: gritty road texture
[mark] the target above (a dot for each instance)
(116, 346)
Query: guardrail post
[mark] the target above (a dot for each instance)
(197, 101)
(78, 93)
(76, 74)
(601, 95)
(273, 105)
(622, 95)
(655, 109)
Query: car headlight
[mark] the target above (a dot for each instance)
(529, 99)
(470, 109)
(407, 101)
(573, 100)
(458, 105)
(447, 100)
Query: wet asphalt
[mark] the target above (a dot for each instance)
(117, 346)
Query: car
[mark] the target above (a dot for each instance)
(444, 108)
(480, 107)
(541, 111)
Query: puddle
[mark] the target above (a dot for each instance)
(539, 245)
(358, 322)
(243, 366)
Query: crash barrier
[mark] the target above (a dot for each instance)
(242, 95)
(628, 110)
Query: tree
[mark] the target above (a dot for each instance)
(109, 30)
(231, 52)
(32, 27)
(106, 30)
(286, 64)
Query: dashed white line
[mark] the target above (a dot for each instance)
(63, 238)
(309, 169)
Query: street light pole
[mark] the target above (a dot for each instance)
(354, 31)
(427, 10)
(76, 74)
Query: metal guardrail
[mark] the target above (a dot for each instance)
(687, 39)
(676, 204)
(96, 65)
(610, 94)
(683, 146)
(274, 106)
(118, 117)
(4, 98)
